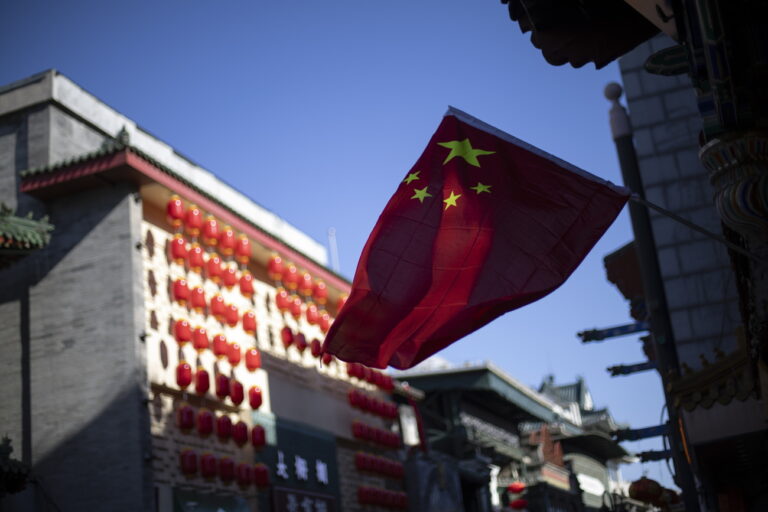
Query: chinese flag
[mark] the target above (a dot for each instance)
(481, 225)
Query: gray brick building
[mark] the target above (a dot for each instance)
(96, 393)
(716, 388)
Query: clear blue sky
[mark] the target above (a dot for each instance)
(317, 109)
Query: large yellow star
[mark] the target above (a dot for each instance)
(451, 200)
(411, 177)
(420, 194)
(480, 188)
(464, 149)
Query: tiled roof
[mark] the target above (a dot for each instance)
(121, 143)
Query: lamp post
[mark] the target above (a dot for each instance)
(661, 327)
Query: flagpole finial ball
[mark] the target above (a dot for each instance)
(613, 91)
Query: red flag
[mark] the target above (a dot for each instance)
(481, 225)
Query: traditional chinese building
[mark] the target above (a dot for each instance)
(162, 350)
(489, 430)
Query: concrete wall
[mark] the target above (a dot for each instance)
(699, 283)
(80, 359)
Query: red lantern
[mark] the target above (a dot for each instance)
(254, 397)
(229, 276)
(275, 267)
(210, 231)
(195, 258)
(320, 292)
(518, 504)
(182, 331)
(306, 285)
(185, 418)
(222, 386)
(352, 369)
(244, 474)
(316, 348)
(312, 314)
(243, 249)
(208, 465)
(365, 373)
(200, 339)
(258, 436)
(327, 358)
(249, 322)
(193, 220)
(220, 346)
(213, 268)
(227, 241)
(183, 375)
(188, 462)
(342, 300)
(645, 490)
(295, 307)
(246, 284)
(516, 487)
(286, 335)
(325, 322)
(218, 307)
(282, 300)
(223, 427)
(354, 397)
(291, 277)
(261, 475)
(179, 251)
(197, 298)
(300, 342)
(180, 291)
(175, 211)
(202, 381)
(204, 422)
(226, 470)
(240, 433)
(252, 359)
(236, 393)
(231, 315)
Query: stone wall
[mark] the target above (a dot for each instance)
(699, 283)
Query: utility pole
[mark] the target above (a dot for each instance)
(661, 327)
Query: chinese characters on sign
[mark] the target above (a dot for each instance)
(301, 468)
(293, 500)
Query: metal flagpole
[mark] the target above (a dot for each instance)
(661, 327)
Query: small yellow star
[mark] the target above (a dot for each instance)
(480, 188)
(411, 177)
(420, 194)
(451, 200)
(464, 149)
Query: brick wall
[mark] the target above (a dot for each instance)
(699, 283)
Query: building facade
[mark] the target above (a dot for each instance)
(717, 385)
(162, 352)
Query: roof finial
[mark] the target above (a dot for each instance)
(620, 125)
(123, 136)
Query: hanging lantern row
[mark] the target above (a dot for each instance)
(387, 467)
(183, 333)
(287, 303)
(216, 271)
(299, 283)
(375, 435)
(366, 403)
(210, 467)
(224, 386)
(205, 422)
(191, 221)
(224, 313)
(382, 497)
(370, 375)
(288, 337)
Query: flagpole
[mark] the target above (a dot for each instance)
(656, 300)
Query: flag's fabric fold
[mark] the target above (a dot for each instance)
(481, 225)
